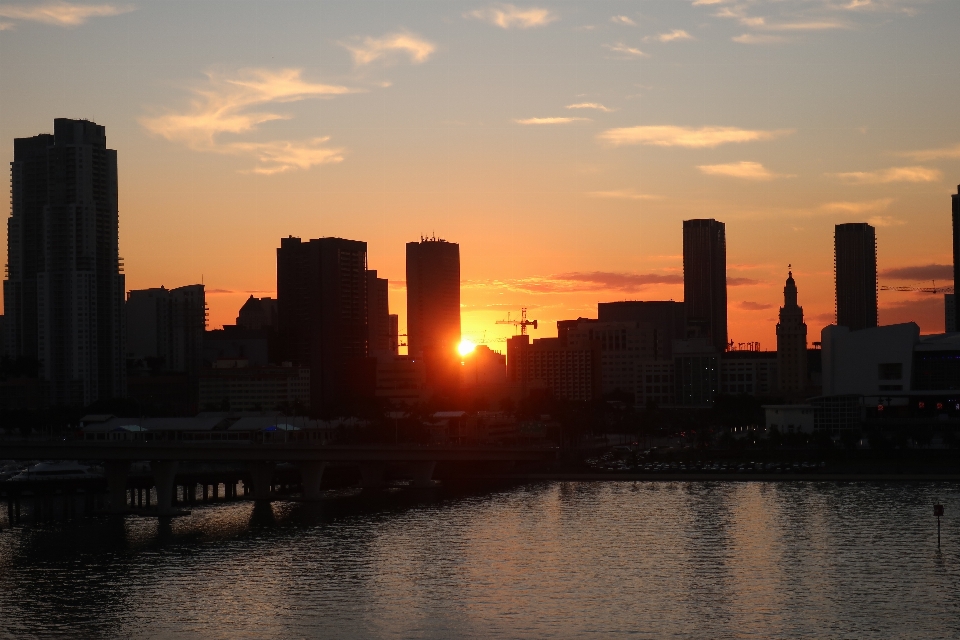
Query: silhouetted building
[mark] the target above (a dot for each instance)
(855, 272)
(791, 343)
(949, 300)
(696, 363)
(237, 343)
(565, 371)
(258, 314)
(378, 314)
(401, 380)
(234, 385)
(666, 317)
(322, 304)
(63, 296)
(165, 327)
(483, 367)
(623, 346)
(394, 342)
(433, 308)
(751, 373)
(705, 279)
(950, 312)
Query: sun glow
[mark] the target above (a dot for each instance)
(466, 347)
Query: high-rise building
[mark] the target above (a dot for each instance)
(167, 326)
(855, 272)
(394, 338)
(322, 305)
(666, 318)
(258, 314)
(378, 314)
(433, 308)
(705, 279)
(949, 300)
(791, 343)
(63, 296)
(565, 371)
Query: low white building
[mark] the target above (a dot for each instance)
(868, 362)
(789, 418)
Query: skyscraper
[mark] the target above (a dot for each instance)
(705, 279)
(433, 307)
(855, 272)
(322, 305)
(64, 290)
(167, 325)
(378, 314)
(791, 343)
(950, 300)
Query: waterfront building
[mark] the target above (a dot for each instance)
(749, 372)
(855, 274)
(401, 380)
(433, 308)
(696, 372)
(566, 371)
(791, 343)
(623, 346)
(868, 362)
(666, 318)
(233, 342)
(165, 327)
(789, 418)
(656, 383)
(705, 279)
(378, 314)
(63, 296)
(235, 385)
(322, 316)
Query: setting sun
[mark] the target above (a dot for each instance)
(466, 347)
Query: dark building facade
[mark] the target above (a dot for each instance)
(167, 325)
(258, 314)
(64, 292)
(378, 314)
(949, 300)
(322, 315)
(855, 273)
(666, 318)
(791, 343)
(705, 279)
(433, 308)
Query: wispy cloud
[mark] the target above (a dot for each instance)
(919, 272)
(741, 282)
(754, 306)
(708, 2)
(556, 120)
(574, 282)
(744, 170)
(589, 105)
(508, 16)
(868, 206)
(388, 47)
(690, 137)
(671, 36)
(893, 174)
(623, 194)
(758, 38)
(231, 105)
(61, 14)
(885, 221)
(623, 20)
(625, 50)
(925, 155)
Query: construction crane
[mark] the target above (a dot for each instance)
(933, 289)
(523, 323)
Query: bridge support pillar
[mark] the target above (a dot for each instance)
(117, 471)
(423, 473)
(311, 475)
(164, 472)
(262, 475)
(371, 474)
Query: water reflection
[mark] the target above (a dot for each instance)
(711, 559)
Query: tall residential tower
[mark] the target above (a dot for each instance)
(705, 279)
(855, 272)
(433, 307)
(63, 296)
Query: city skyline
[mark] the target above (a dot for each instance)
(518, 133)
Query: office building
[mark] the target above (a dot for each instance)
(433, 308)
(483, 367)
(258, 314)
(950, 312)
(666, 318)
(623, 346)
(401, 380)
(656, 384)
(322, 317)
(165, 327)
(378, 314)
(855, 273)
(752, 373)
(234, 385)
(791, 343)
(705, 280)
(565, 371)
(696, 367)
(63, 296)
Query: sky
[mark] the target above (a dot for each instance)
(561, 144)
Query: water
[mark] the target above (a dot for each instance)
(551, 560)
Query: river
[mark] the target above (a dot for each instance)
(548, 560)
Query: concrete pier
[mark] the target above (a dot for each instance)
(262, 475)
(164, 472)
(311, 475)
(117, 471)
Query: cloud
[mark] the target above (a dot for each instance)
(744, 170)
(893, 174)
(799, 26)
(628, 51)
(219, 291)
(920, 272)
(671, 136)
(741, 282)
(828, 317)
(388, 47)
(579, 282)
(508, 16)
(230, 105)
(885, 221)
(624, 194)
(754, 306)
(61, 14)
(676, 34)
(559, 120)
(623, 20)
(589, 105)
(926, 310)
(707, 2)
(857, 207)
(754, 38)
(6, 26)
(925, 155)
